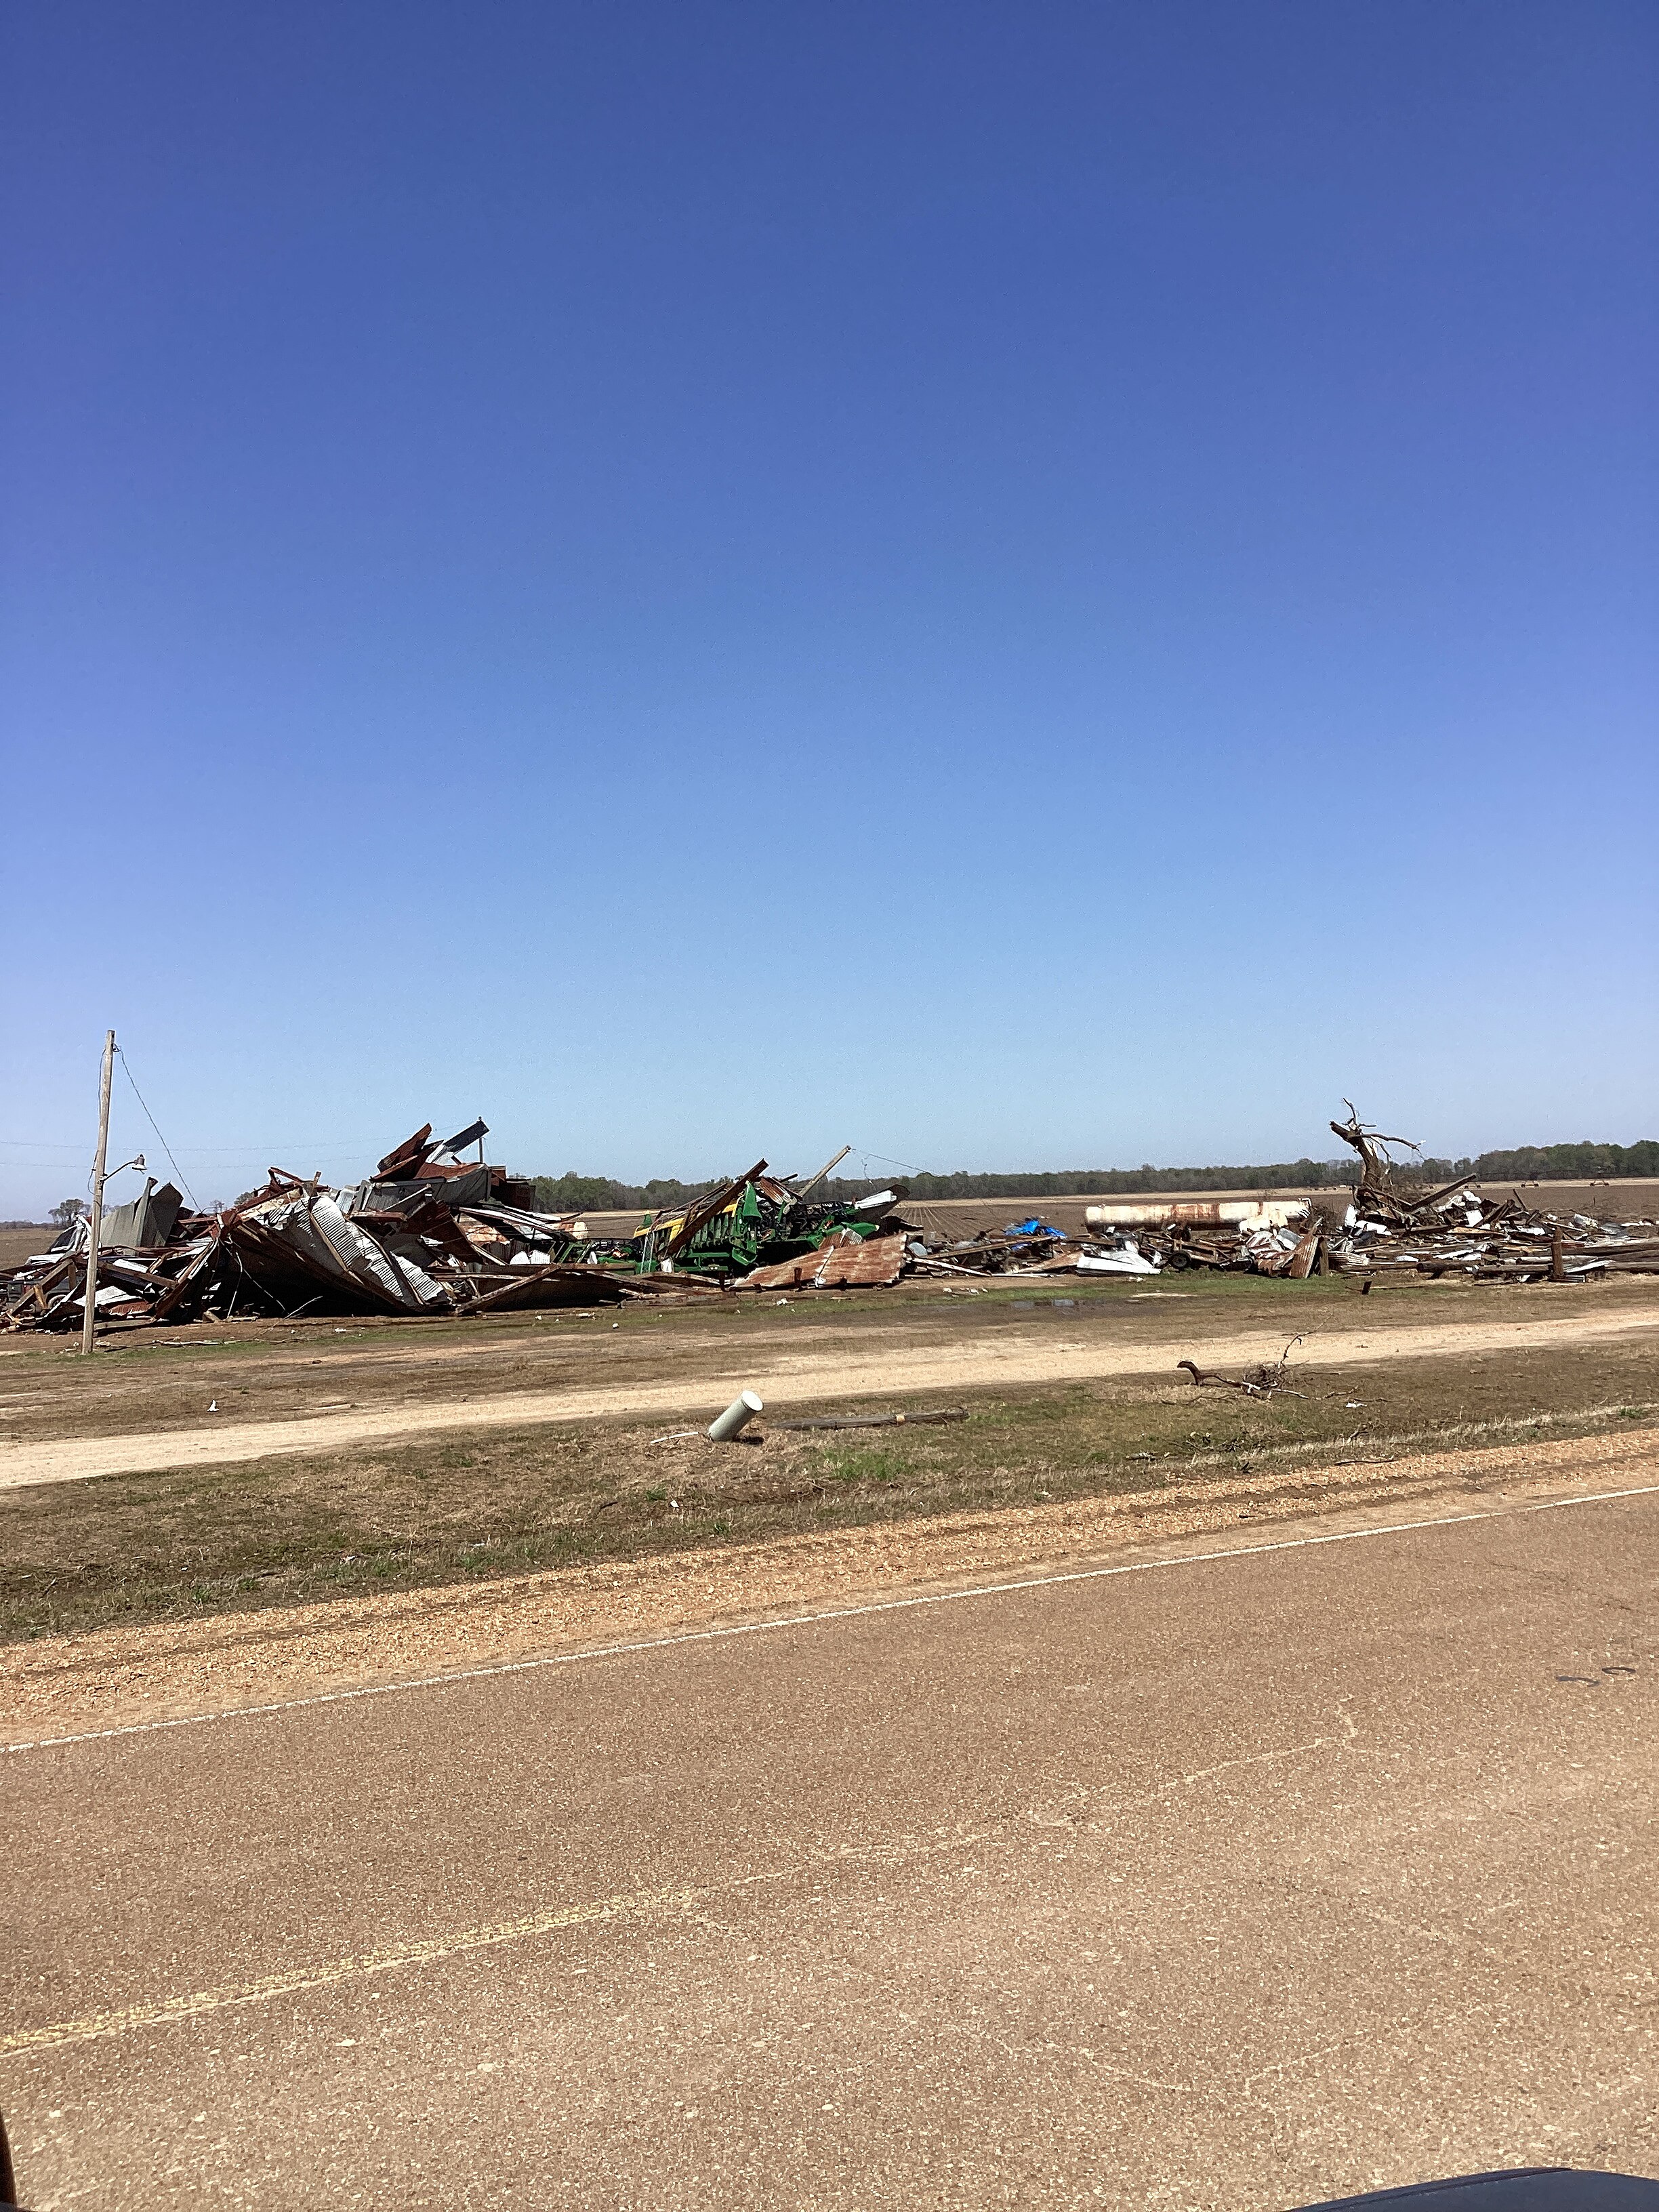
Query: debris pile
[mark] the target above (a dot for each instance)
(430, 1233)
(1390, 1227)
(425, 1234)
(1394, 1228)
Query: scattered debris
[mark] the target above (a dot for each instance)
(430, 1234)
(1396, 1227)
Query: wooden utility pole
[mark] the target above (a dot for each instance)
(98, 1166)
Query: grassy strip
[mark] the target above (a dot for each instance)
(461, 1508)
(162, 1378)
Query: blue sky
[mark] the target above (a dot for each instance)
(1022, 586)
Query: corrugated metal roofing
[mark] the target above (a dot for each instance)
(843, 1261)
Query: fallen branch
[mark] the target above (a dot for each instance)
(874, 1420)
(1267, 1381)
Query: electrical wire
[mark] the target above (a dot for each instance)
(254, 1151)
(155, 1125)
(908, 1166)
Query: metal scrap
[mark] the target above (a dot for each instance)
(423, 1236)
(843, 1261)
(429, 1233)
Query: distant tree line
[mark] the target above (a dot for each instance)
(573, 1194)
(1581, 1162)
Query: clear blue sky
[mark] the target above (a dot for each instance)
(1025, 586)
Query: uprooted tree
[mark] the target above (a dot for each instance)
(1378, 1185)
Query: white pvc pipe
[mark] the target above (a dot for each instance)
(738, 1415)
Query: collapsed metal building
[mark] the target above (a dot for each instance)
(429, 1233)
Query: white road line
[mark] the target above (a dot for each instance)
(813, 1619)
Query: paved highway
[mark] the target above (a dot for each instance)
(1232, 1882)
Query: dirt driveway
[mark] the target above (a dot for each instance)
(787, 1377)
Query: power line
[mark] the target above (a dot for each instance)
(326, 1149)
(256, 1151)
(155, 1125)
(908, 1166)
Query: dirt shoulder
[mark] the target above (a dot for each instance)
(151, 1379)
(794, 1373)
(116, 1678)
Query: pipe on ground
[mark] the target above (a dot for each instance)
(738, 1415)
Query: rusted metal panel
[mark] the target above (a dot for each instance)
(1302, 1260)
(843, 1261)
(408, 1158)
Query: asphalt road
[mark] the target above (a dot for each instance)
(1233, 1883)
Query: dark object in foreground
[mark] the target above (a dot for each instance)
(1523, 2189)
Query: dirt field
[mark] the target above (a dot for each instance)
(351, 1381)
(17, 1245)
